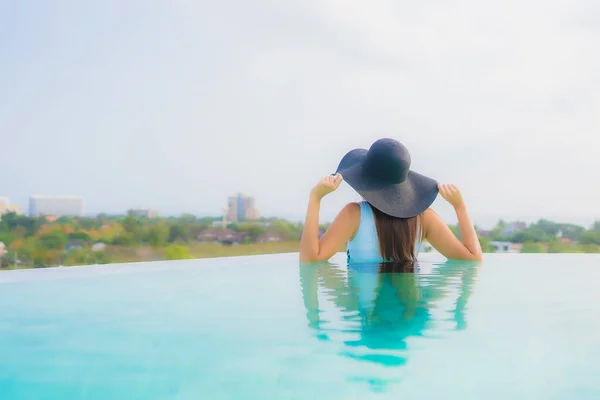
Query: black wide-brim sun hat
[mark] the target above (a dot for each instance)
(382, 176)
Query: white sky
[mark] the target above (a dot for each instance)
(176, 105)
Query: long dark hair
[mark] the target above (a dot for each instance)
(397, 236)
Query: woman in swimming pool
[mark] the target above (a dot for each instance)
(393, 219)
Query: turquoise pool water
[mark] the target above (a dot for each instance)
(518, 326)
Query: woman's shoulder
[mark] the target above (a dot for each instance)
(351, 209)
(350, 213)
(428, 216)
(428, 213)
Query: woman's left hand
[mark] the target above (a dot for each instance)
(452, 195)
(326, 185)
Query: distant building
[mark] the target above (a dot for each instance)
(2, 249)
(250, 212)
(516, 247)
(232, 209)
(98, 247)
(57, 206)
(6, 207)
(240, 207)
(500, 247)
(74, 244)
(270, 237)
(13, 208)
(506, 247)
(223, 236)
(145, 212)
(565, 240)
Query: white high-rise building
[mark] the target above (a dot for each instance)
(57, 206)
(4, 202)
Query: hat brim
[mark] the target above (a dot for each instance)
(404, 200)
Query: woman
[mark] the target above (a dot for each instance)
(393, 219)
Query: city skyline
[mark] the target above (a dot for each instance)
(298, 217)
(179, 107)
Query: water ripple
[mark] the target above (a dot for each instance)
(373, 311)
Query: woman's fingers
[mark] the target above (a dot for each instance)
(447, 189)
(443, 190)
(331, 181)
(338, 179)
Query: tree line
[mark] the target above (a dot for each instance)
(37, 242)
(543, 236)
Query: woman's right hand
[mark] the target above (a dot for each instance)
(326, 185)
(452, 195)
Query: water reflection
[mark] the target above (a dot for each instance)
(372, 309)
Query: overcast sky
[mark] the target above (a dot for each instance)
(177, 104)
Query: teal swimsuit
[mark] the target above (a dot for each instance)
(364, 247)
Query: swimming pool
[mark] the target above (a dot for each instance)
(263, 327)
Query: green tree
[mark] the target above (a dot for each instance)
(84, 237)
(67, 221)
(208, 220)
(124, 239)
(496, 233)
(44, 257)
(10, 220)
(30, 224)
(7, 238)
(532, 247)
(195, 229)
(485, 245)
(84, 256)
(235, 227)
(571, 231)
(80, 256)
(589, 248)
(286, 229)
(559, 247)
(102, 219)
(178, 231)
(253, 232)
(102, 257)
(187, 219)
(53, 240)
(590, 237)
(131, 223)
(89, 223)
(523, 236)
(25, 253)
(549, 228)
(177, 252)
(157, 235)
